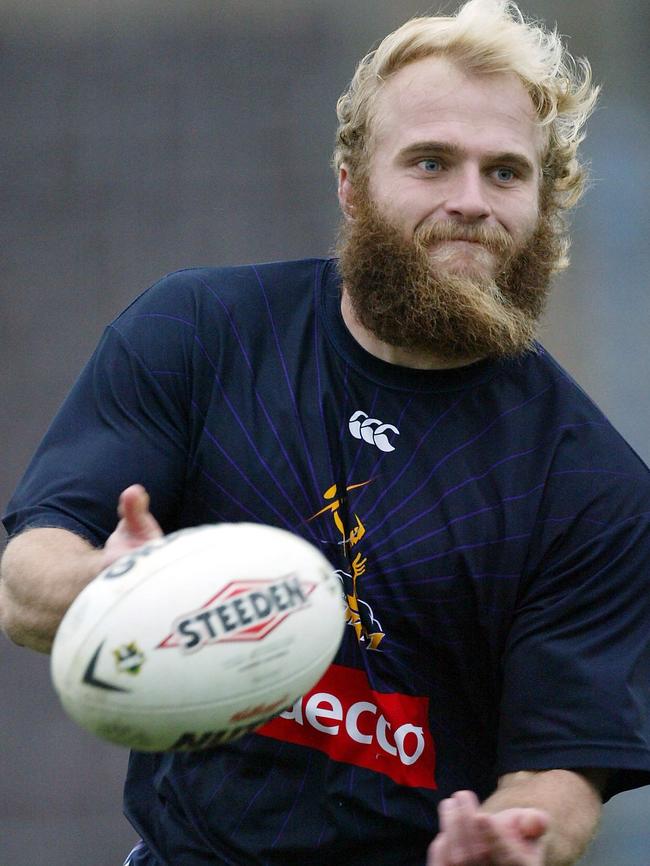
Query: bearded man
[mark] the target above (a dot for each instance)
(492, 529)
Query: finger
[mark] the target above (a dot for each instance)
(490, 841)
(500, 850)
(457, 822)
(471, 841)
(447, 816)
(507, 848)
(533, 824)
(437, 853)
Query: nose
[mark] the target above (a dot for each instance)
(467, 200)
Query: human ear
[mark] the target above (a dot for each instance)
(346, 192)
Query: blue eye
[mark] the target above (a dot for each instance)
(505, 175)
(431, 166)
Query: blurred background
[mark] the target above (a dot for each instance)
(143, 136)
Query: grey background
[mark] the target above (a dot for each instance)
(140, 137)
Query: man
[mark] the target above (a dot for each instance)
(489, 527)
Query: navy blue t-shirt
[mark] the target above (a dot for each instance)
(490, 528)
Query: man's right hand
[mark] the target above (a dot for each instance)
(136, 526)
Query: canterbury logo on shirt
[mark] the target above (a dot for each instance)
(372, 430)
(343, 717)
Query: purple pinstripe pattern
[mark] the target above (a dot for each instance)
(400, 529)
(594, 472)
(351, 771)
(164, 316)
(258, 397)
(443, 459)
(329, 529)
(245, 478)
(292, 395)
(254, 448)
(256, 517)
(459, 547)
(295, 802)
(459, 519)
(573, 517)
(223, 781)
(399, 595)
(257, 793)
(420, 443)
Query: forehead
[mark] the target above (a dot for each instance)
(433, 99)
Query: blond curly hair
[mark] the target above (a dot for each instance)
(483, 36)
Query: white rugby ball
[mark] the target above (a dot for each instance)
(198, 637)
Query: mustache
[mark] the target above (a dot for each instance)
(494, 238)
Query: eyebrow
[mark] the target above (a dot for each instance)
(454, 151)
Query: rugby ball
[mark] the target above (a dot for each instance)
(198, 637)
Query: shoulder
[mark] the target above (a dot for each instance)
(196, 294)
(566, 416)
(198, 314)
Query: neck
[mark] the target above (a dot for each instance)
(414, 358)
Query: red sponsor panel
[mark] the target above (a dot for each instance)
(343, 717)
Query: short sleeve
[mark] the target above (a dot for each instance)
(576, 670)
(124, 422)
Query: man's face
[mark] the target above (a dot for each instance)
(447, 146)
(446, 223)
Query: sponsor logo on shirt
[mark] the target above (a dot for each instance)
(372, 430)
(352, 723)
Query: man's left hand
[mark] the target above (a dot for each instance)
(472, 837)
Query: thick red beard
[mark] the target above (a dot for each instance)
(404, 297)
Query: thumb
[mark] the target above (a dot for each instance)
(133, 508)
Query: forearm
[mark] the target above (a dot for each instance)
(42, 572)
(571, 799)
